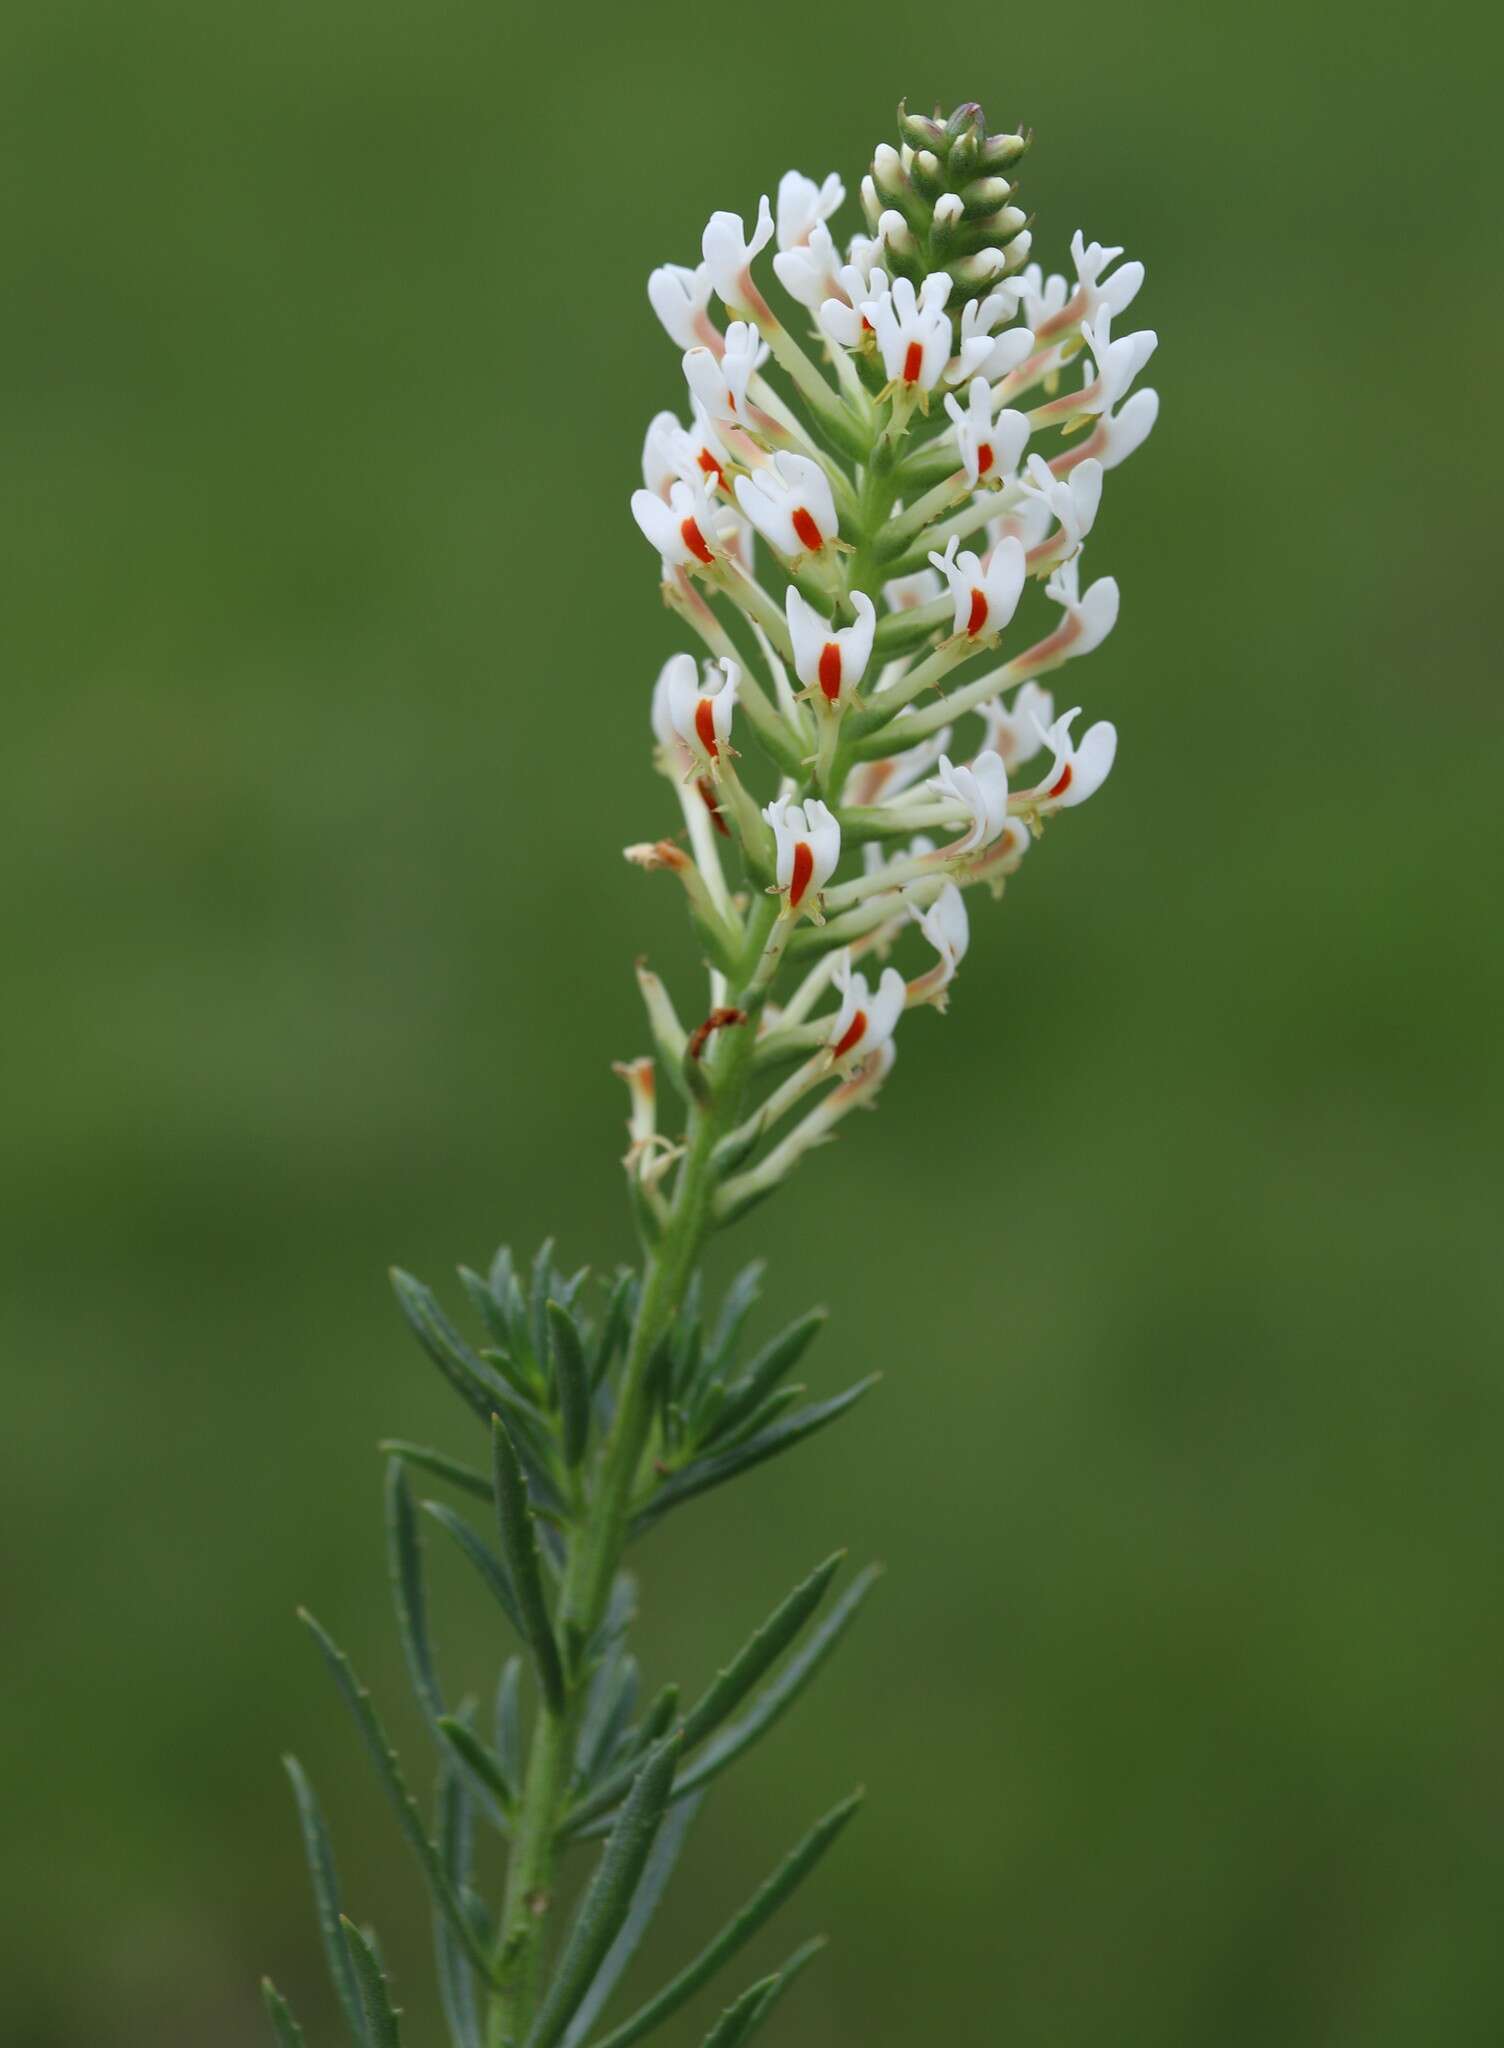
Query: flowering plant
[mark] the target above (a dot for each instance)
(848, 524)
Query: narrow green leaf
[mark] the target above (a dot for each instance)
(571, 1382)
(455, 1841)
(492, 1571)
(477, 1383)
(609, 1707)
(660, 1867)
(508, 1720)
(762, 1417)
(478, 1761)
(439, 1464)
(731, 1686)
(519, 1548)
(289, 2033)
(487, 1307)
(769, 1706)
(735, 1935)
(801, 1958)
(613, 1326)
(375, 1992)
(656, 1722)
(706, 1473)
(326, 1898)
(776, 1359)
(540, 1287)
(608, 1898)
(739, 1300)
(741, 2021)
(405, 1568)
(389, 1770)
(776, 1698)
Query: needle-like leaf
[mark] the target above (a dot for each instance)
(608, 1898)
(375, 1992)
(705, 1473)
(424, 1459)
(368, 1721)
(735, 1935)
(571, 1382)
(731, 1686)
(405, 1567)
(477, 1383)
(455, 1842)
(289, 2033)
(326, 1899)
(519, 1549)
(660, 1867)
(480, 1763)
(492, 1571)
(777, 1358)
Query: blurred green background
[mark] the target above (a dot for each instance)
(328, 642)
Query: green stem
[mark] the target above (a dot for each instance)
(598, 1542)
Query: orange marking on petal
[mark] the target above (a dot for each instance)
(985, 457)
(852, 1035)
(913, 362)
(978, 618)
(800, 874)
(710, 466)
(694, 540)
(1063, 781)
(707, 797)
(807, 530)
(830, 670)
(705, 726)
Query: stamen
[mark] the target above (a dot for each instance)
(694, 540)
(799, 876)
(978, 617)
(913, 362)
(851, 1036)
(807, 530)
(830, 670)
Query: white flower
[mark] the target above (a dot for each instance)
(697, 706)
(948, 929)
(1117, 292)
(1072, 499)
(728, 254)
(1088, 619)
(875, 781)
(983, 790)
(1015, 731)
(790, 503)
(808, 843)
(1043, 297)
(720, 384)
(1112, 365)
(985, 598)
(668, 452)
(843, 320)
(1116, 435)
(828, 658)
(990, 448)
(680, 297)
(1076, 772)
(810, 272)
(913, 332)
(865, 1020)
(907, 593)
(669, 678)
(684, 530)
(804, 206)
(949, 208)
(983, 353)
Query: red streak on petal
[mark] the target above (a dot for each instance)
(803, 869)
(978, 617)
(807, 530)
(984, 457)
(694, 540)
(1062, 782)
(710, 466)
(852, 1035)
(707, 797)
(866, 324)
(705, 726)
(913, 362)
(830, 670)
